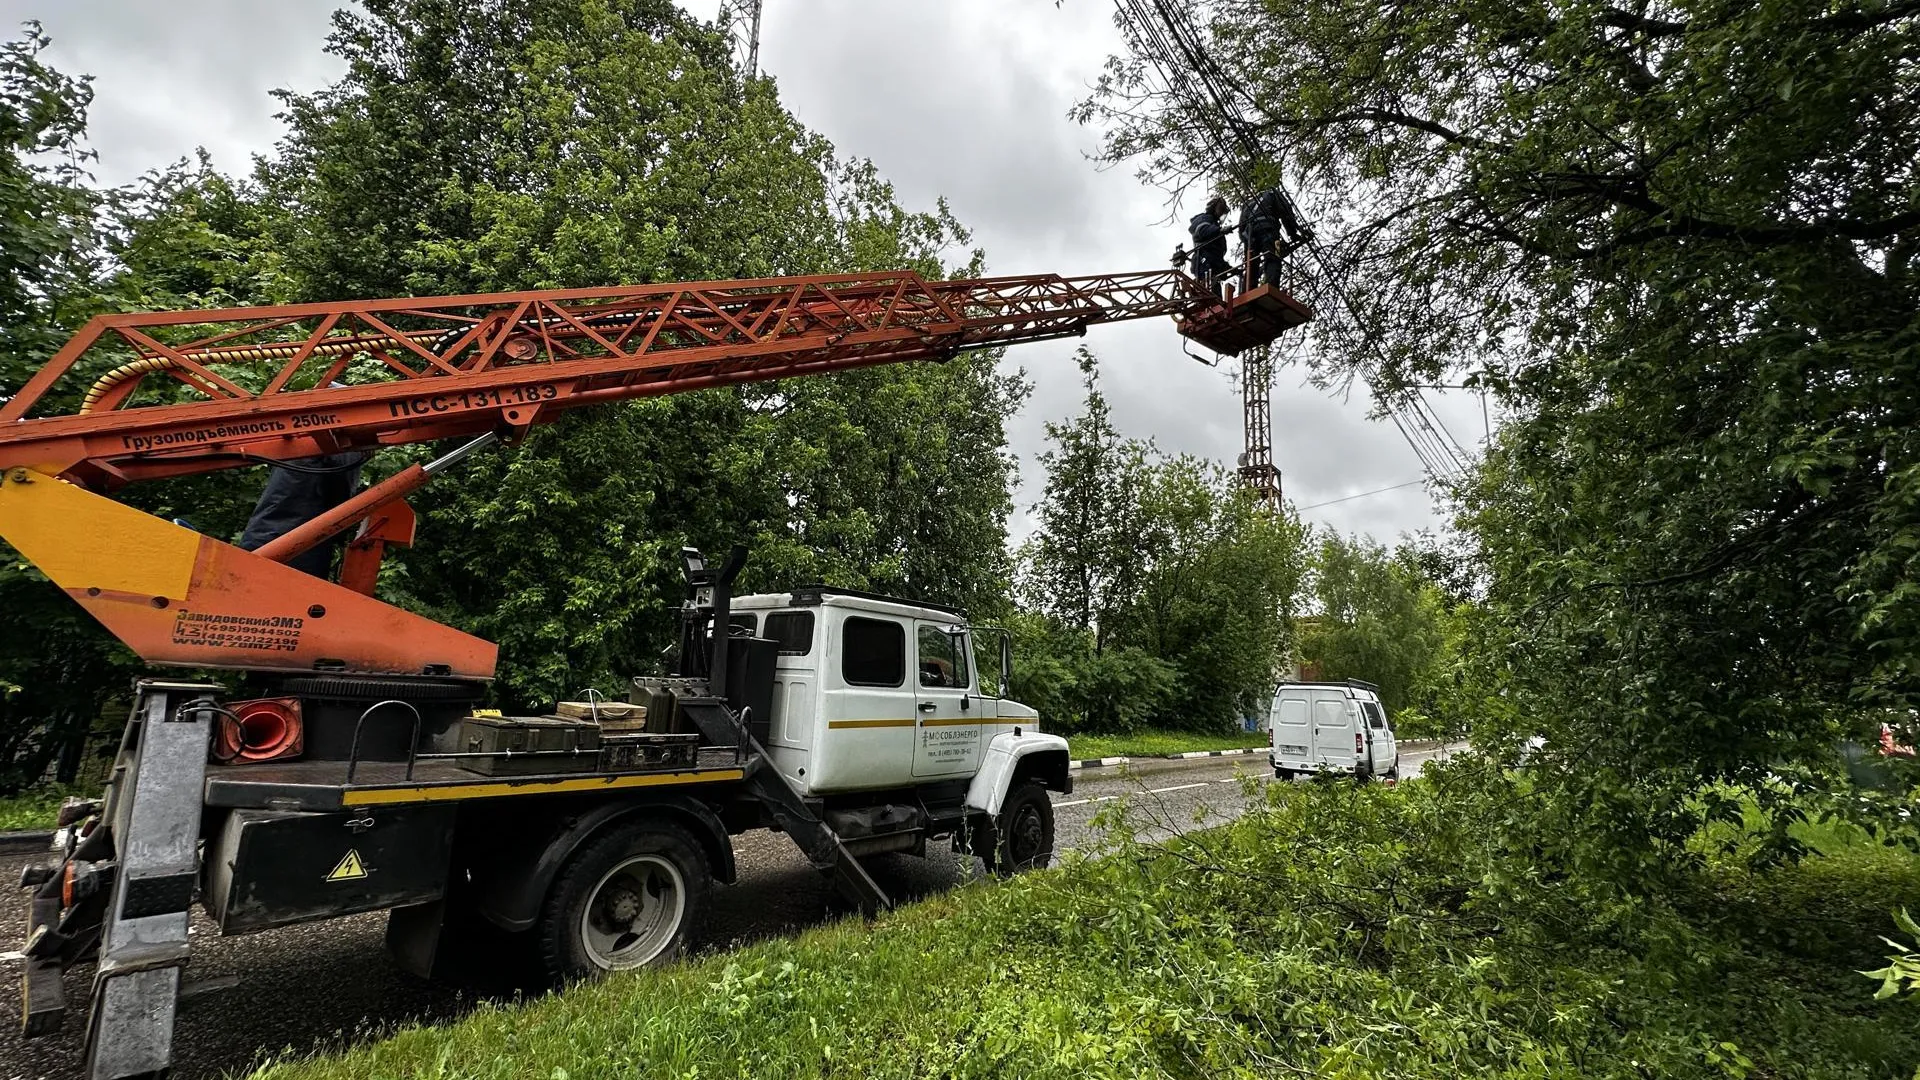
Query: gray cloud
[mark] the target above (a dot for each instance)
(967, 101)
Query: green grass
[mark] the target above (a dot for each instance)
(1258, 949)
(1158, 743)
(35, 808)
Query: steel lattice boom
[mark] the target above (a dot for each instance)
(140, 396)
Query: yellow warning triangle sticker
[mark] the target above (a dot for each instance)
(350, 867)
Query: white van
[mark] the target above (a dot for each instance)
(1331, 727)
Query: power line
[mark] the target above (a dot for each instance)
(1362, 495)
(1164, 34)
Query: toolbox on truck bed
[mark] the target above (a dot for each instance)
(526, 745)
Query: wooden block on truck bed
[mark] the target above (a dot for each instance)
(606, 712)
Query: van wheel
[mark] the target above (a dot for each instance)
(627, 899)
(1023, 833)
(1283, 775)
(1393, 775)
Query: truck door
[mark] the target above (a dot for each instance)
(1333, 730)
(866, 707)
(1380, 740)
(946, 737)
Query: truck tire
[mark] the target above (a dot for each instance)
(1023, 833)
(630, 898)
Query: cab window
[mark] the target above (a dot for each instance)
(793, 630)
(942, 663)
(1376, 719)
(873, 652)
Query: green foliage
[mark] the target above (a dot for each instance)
(1902, 973)
(50, 255)
(1375, 619)
(48, 249)
(1159, 590)
(1148, 744)
(479, 145)
(1678, 242)
(1334, 930)
(1380, 616)
(618, 144)
(38, 808)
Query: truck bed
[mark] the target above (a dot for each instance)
(322, 785)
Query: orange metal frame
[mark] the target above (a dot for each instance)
(151, 395)
(319, 378)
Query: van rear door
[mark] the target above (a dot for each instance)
(1333, 730)
(1292, 729)
(1384, 750)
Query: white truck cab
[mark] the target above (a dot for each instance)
(1331, 727)
(873, 693)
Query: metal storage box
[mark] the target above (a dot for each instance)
(270, 868)
(526, 745)
(646, 753)
(661, 697)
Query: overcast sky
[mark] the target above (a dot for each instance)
(966, 100)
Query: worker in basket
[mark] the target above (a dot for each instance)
(296, 493)
(1271, 230)
(1209, 258)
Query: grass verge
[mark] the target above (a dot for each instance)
(36, 808)
(1158, 743)
(1338, 931)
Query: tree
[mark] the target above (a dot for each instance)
(504, 144)
(1679, 242)
(1378, 617)
(1161, 590)
(618, 143)
(1085, 561)
(50, 253)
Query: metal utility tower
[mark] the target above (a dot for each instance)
(753, 39)
(1256, 462)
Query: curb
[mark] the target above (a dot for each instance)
(26, 843)
(1105, 762)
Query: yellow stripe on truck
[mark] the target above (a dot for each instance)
(953, 721)
(449, 792)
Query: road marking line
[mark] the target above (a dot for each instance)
(12, 957)
(1181, 787)
(1228, 780)
(1075, 802)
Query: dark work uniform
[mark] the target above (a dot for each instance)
(291, 499)
(1261, 226)
(1209, 247)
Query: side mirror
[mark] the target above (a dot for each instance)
(1006, 663)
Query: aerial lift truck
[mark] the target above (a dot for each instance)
(339, 764)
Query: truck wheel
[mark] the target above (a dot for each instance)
(627, 899)
(1023, 833)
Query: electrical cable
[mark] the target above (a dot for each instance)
(1362, 495)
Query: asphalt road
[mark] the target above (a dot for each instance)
(329, 985)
